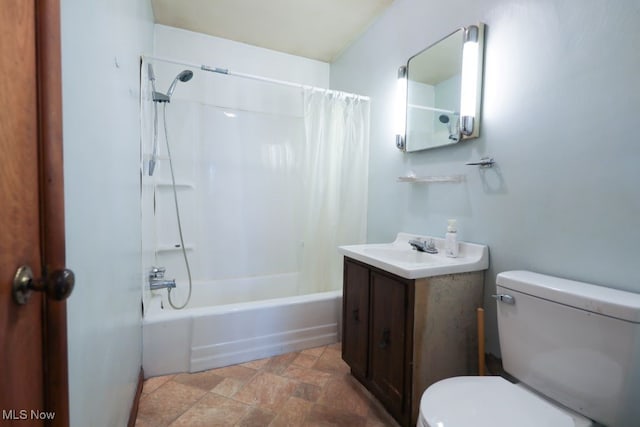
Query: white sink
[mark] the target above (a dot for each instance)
(401, 259)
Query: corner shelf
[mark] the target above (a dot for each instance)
(178, 184)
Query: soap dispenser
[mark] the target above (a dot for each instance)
(451, 240)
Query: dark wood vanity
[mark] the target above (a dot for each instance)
(401, 335)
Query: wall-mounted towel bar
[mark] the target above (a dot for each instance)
(485, 162)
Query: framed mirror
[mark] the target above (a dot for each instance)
(440, 92)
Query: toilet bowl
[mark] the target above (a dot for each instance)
(491, 402)
(574, 349)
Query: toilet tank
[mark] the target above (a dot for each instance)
(576, 343)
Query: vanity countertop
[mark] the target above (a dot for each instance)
(400, 258)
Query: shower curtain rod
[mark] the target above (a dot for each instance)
(253, 77)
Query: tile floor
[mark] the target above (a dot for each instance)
(307, 388)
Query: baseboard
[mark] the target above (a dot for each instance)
(493, 364)
(136, 400)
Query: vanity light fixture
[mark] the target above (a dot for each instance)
(471, 76)
(401, 108)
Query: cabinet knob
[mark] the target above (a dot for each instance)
(356, 315)
(386, 337)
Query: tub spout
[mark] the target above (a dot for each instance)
(155, 284)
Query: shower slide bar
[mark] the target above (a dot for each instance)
(253, 77)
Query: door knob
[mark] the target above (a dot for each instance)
(57, 285)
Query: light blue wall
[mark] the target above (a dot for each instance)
(561, 112)
(102, 41)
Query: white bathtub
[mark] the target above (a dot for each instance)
(216, 330)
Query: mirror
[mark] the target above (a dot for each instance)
(441, 102)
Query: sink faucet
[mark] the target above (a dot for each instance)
(156, 279)
(423, 246)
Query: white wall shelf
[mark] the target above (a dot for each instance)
(169, 248)
(432, 179)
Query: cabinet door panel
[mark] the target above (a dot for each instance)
(388, 340)
(355, 318)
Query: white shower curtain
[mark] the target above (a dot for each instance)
(335, 182)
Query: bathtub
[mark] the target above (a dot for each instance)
(217, 329)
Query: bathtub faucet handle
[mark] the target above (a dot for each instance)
(157, 272)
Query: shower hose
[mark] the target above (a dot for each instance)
(175, 199)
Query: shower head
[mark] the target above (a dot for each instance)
(446, 120)
(184, 76)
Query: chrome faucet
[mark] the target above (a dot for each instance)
(155, 284)
(423, 246)
(156, 279)
(157, 272)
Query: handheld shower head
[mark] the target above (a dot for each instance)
(184, 76)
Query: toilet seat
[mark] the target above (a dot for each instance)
(490, 402)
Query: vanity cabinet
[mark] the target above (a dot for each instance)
(401, 335)
(355, 315)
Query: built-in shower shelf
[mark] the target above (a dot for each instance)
(169, 248)
(431, 179)
(178, 184)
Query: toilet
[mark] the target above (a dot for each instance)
(574, 349)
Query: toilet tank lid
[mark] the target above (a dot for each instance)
(597, 299)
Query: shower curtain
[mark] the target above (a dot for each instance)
(335, 183)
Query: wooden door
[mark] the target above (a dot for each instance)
(388, 367)
(33, 343)
(355, 318)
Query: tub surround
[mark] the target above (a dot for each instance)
(241, 207)
(228, 216)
